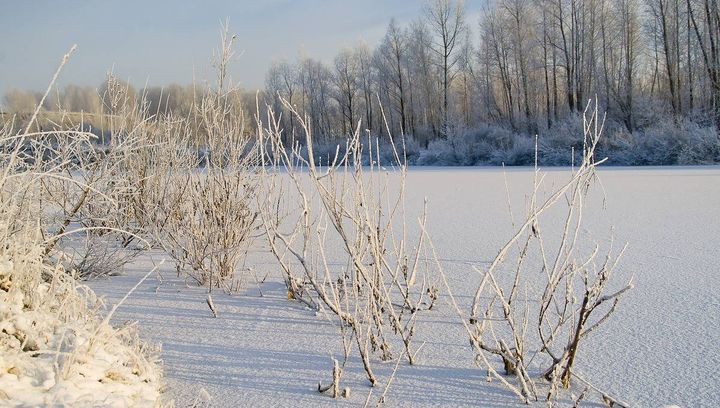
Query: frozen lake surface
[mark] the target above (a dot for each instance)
(661, 347)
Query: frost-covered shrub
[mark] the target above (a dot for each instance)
(485, 144)
(348, 210)
(663, 142)
(572, 297)
(557, 144)
(656, 139)
(647, 112)
(204, 218)
(409, 147)
(481, 144)
(615, 144)
(326, 150)
(521, 152)
(667, 143)
(702, 145)
(54, 347)
(438, 153)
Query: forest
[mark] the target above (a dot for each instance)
(469, 91)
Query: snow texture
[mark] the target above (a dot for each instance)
(56, 351)
(659, 349)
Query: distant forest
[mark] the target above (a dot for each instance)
(486, 95)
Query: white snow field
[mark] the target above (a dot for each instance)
(661, 347)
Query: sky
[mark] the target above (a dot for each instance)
(162, 42)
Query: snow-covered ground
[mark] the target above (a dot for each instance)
(660, 348)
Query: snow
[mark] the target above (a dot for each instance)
(659, 349)
(57, 352)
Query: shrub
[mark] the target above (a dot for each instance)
(541, 296)
(379, 283)
(54, 347)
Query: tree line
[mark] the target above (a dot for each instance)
(531, 64)
(528, 67)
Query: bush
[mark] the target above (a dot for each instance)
(667, 143)
(352, 212)
(55, 349)
(526, 327)
(663, 142)
(557, 144)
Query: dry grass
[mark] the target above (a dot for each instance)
(55, 347)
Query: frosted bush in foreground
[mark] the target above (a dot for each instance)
(55, 349)
(545, 292)
(339, 234)
(203, 215)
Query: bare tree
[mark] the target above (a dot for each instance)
(346, 81)
(447, 18)
(392, 63)
(315, 80)
(667, 19)
(367, 74)
(629, 21)
(497, 40)
(518, 14)
(707, 31)
(281, 82)
(424, 72)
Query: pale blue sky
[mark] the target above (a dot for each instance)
(161, 42)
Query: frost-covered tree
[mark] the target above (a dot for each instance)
(391, 60)
(346, 81)
(281, 82)
(447, 19)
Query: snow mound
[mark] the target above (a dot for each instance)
(55, 350)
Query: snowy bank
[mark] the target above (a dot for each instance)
(55, 349)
